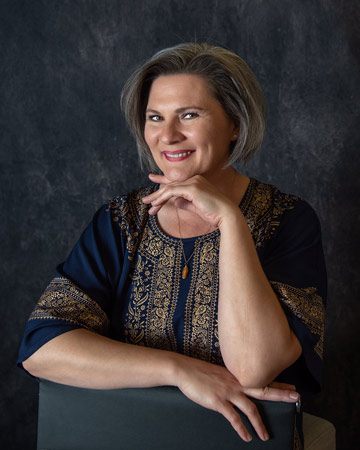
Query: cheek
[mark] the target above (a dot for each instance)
(150, 134)
(150, 139)
(215, 139)
(147, 135)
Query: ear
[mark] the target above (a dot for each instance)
(236, 133)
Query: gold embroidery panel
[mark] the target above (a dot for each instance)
(130, 213)
(307, 306)
(201, 323)
(153, 298)
(262, 206)
(63, 300)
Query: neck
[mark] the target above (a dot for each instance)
(224, 180)
(230, 183)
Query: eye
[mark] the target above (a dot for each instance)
(154, 118)
(190, 115)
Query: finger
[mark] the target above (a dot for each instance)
(228, 411)
(154, 210)
(149, 198)
(273, 394)
(157, 178)
(153, 198)
(250, 410)
(161, 179)
(163, 195)
(156, 195)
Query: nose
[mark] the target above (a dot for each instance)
(171, 133)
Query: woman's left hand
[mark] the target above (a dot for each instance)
(195, 194)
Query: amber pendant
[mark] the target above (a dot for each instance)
(185, 272)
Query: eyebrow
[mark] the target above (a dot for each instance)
(178, 111)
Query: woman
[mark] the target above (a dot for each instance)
(219, 300)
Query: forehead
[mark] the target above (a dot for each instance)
(180, 87)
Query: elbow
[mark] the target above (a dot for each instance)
(29, 367)
(254, 377)
(252, 373)
(32, 365)
(260, 372)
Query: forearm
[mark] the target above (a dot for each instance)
(85, 359)
(255, 338)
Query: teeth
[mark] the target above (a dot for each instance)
(177, 155)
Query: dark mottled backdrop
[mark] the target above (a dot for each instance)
(65, 149)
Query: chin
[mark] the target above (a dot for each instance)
(177, 175)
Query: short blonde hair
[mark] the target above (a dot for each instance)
(230, 81)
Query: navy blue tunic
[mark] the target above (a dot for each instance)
(123, 280)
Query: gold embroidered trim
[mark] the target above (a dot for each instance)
(262, 206)
(135, 318)
(129, 213)
(63, 300)
(201, 337)
(163, 301)
(154, 294)
(307, 306)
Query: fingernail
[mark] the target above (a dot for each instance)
(266, 436)
(248, 438)
(294, 395)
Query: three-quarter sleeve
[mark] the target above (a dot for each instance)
(294, 264)
(80, 295)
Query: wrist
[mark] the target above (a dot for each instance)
(181, 367)
(174, 368)
(232, 220)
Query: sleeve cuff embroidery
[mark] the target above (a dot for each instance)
(306, 305)
(63, 300)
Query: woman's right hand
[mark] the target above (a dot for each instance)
(214, 387)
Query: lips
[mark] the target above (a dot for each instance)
(177, 155)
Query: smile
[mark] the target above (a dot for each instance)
(177, 156)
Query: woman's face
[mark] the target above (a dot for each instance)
(186, 128)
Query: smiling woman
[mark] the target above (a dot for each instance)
(206, 279)
(229, 80)
(186, 128)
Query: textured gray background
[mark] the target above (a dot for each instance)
(65, 149)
